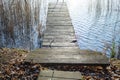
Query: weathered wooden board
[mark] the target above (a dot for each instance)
(60, 30)
(58, 19)
(58, 40)
(60, 44)
(58, 4)
(59, 75)
(58, 10)
(67, 56)
(57, 34)
(58, 14)
(60, 27)
(59, 22)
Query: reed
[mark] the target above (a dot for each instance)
(21, 15)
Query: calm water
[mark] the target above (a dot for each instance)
(96, 23)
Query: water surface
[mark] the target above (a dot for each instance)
(96, 23)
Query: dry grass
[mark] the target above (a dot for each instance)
(19, 14)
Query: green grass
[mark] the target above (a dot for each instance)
(113, 52)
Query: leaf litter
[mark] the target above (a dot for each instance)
(14, 67)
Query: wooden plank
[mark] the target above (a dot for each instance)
(67, 75)
(78, 57)
(46, 73)
(57, 7)
(59, 75)
(62, 8)
(57, 34)
(62, 13)
(58, 15)
(58, 4)
(58, 10)
(57, 44)
(60, 37)
(57, 40)
(58, 19)
(59, 22)
(74, 50)
(60, 27)
(59, 31)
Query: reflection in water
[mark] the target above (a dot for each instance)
(96, 23)
(21, 23)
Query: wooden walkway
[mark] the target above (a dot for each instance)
(59, 32)
(59, 43)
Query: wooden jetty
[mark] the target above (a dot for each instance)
(59, 43)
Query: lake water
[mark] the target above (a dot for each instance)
(96, 23)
